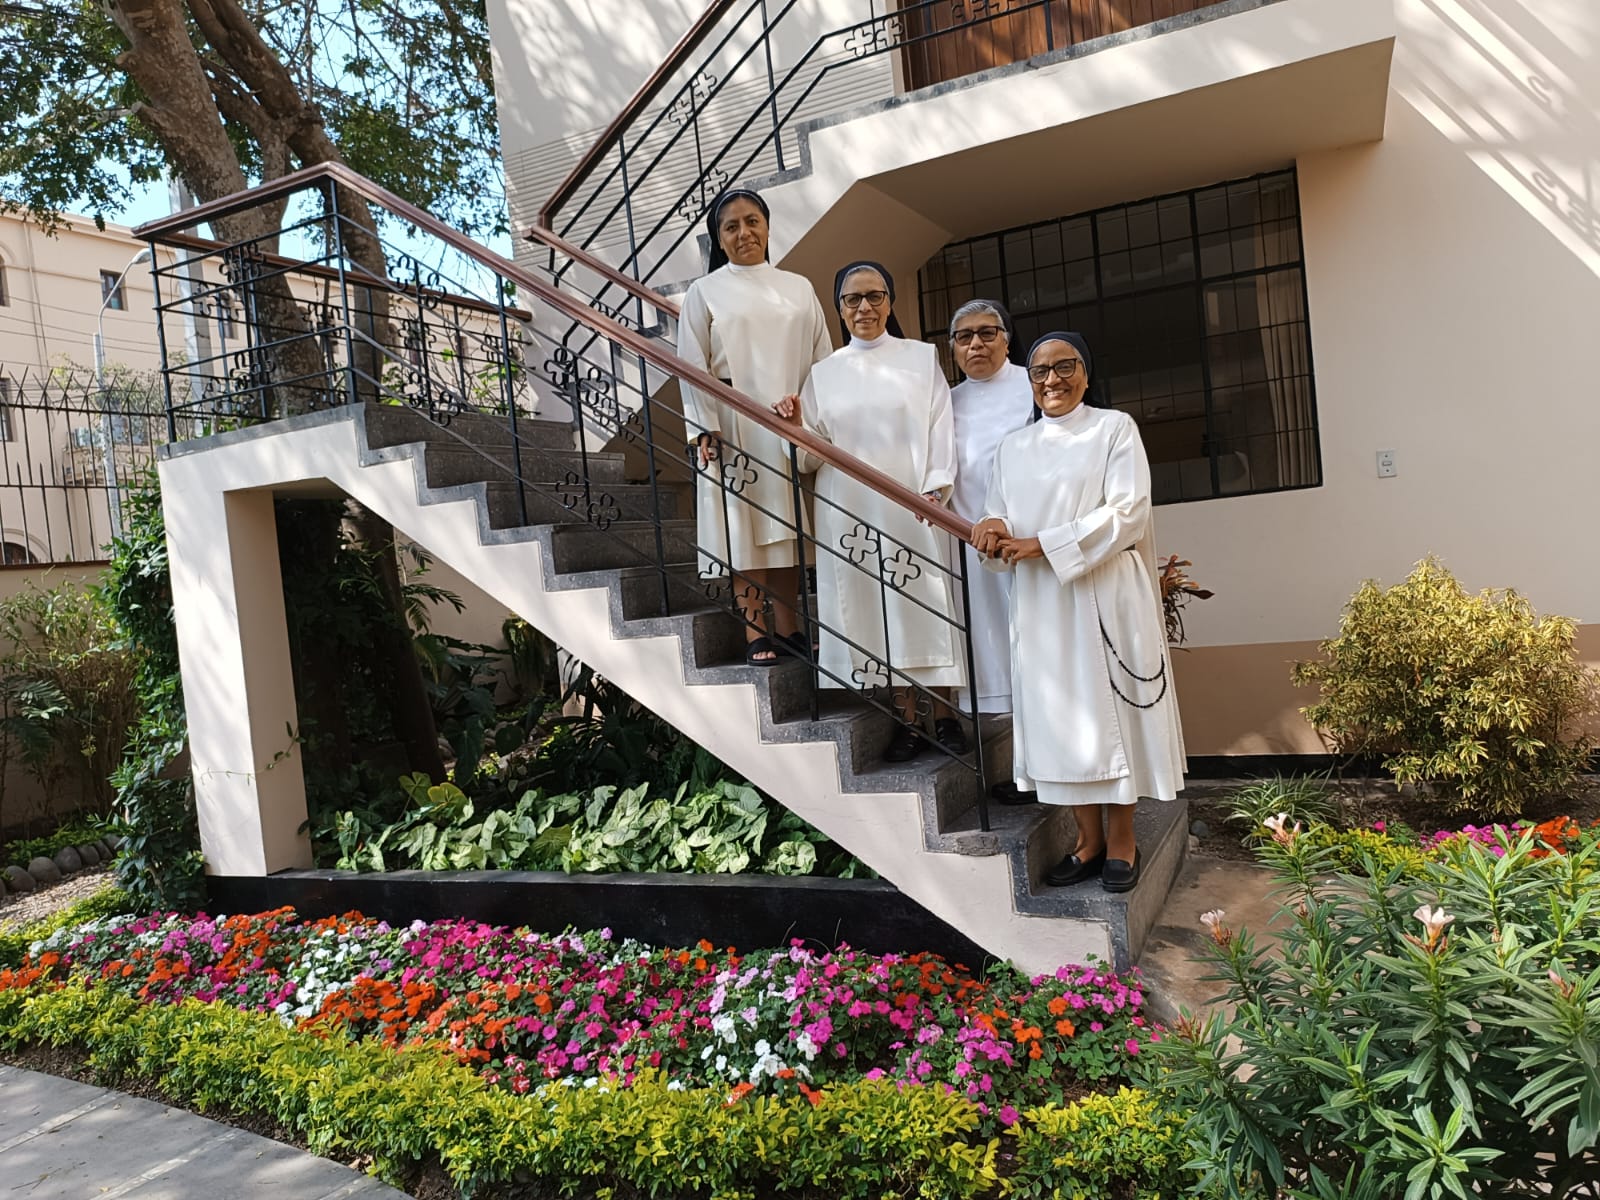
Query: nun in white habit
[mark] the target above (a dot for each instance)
(760, 330)
(884, 594)
(1068, 511)
(993, 400)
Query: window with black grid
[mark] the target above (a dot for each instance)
(1194, 305)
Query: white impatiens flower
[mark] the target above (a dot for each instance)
(763, 1048)
(805, 1045)
(721, 1064)
(722, 1026)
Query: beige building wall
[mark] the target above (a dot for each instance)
(1454, 278)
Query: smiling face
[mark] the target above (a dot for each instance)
(1059, 380)
(979, 359)
(742, 232)
(864, 303)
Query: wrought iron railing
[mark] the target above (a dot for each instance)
(439, 325)
(72, 446)
(717, 111)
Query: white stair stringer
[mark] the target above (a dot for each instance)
(217, 497)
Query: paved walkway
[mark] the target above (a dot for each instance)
(61, 1140)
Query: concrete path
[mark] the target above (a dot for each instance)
(1172, 962)
(61, 1140)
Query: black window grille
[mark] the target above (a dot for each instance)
(5, 294)
(111, 289)
(1195, 307)
(7, 434)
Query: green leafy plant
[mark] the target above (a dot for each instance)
(69, 675)
(16, 940)
(75, 834)
(1300, 798)
(1124, 1144)
(1388, 1047)
(1474, 696)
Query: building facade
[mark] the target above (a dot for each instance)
(1340, 258)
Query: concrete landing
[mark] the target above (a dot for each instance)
(1172, 962)
(61, 1140)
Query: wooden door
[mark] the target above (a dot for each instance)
(949, 39)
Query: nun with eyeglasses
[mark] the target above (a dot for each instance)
(1095, 724)
(884, 593)
(760, 330)
(993, 400)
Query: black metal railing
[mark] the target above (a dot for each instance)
(409, 313)
(72, 446)
(720, 113)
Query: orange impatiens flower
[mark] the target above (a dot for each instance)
(1066, 1028)
(1058, 1006)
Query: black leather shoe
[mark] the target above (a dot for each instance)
(907, 744)
(1008, 793)
(1120, 876)
(950, 735)
(1072, 869)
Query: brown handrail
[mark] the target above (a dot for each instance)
(651, 88)
(647, 348)
(537, 233)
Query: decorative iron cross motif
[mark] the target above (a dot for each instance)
(900, 568)
(875, 37)
(570, 490)
(860, 542)
(558, 368)
(602, 510)
(870, 676)
(737, 473)
(695, 93)
(700, 196)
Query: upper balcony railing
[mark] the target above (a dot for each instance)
(459, 335)
(721, 109)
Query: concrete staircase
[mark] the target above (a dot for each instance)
(584, 571)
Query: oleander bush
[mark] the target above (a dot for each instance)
(1422, 1030)
(1475, 697)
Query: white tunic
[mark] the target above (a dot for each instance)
(886, 402)
(1096, 717)
(761, 329)
(985, 411)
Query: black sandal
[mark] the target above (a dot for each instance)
(797, 644)
(907, 744)
(761, 645)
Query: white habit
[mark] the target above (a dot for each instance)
(886, 402)
(1096, 719)
(761, 329)
(985, 411)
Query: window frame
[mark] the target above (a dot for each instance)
(989, 269)
(113, 296)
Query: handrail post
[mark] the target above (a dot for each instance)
(772, 85)
(331, 194)
(972, 693)
(509, 399)
(161, 345)
(813, 658)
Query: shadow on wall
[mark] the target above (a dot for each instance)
(1511, 87)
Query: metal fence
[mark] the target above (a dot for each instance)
(71, 448)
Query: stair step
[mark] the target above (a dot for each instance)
(552, 504)
(585, 547)
(448, 463)
(396, 425)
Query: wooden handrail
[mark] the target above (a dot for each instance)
(650, 89)
(537, 233)
(574, 309)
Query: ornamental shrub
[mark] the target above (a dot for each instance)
(1420, 1035)
(1124, 1145)
(1474, 696)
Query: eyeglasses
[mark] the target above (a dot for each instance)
(984, 333)
(1066, 369)
(857, 299)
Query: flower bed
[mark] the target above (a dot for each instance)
(767, 1038)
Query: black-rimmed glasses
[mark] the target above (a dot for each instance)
(1065, 369)
(856, 299)
(984, 333)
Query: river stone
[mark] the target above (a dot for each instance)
(90, 853)
(107, 850)
(113, 842)
(67, 859)
(44, 870)
(19, 880)
(1199, 828)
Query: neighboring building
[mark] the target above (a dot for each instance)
(1341, 258)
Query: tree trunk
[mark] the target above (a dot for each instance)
(407, 693)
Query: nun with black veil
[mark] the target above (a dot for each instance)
(884, 595)
(1095, 718)
(760, 330)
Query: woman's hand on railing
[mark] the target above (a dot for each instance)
(987, 535)
(789, 409)
(707, 446)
